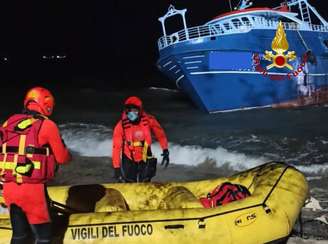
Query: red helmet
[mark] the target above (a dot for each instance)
(40, 99)
(133, 101)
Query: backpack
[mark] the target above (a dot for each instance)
(223, 194)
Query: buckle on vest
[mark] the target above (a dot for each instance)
(29, 150)
(138, 143)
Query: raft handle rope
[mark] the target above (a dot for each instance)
(266, 208)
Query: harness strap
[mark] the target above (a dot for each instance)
(21, 147)
(4, 148)
(12, 165)
(18, 169)
(28, 150)
(145, 152)
(2, 164)
(19, 177)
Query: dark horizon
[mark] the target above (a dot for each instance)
(107, 44)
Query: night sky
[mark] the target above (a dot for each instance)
(107, 44)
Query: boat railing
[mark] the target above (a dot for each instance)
(219, 29)
(200, 32)
(320, 28)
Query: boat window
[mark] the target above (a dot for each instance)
(236, 22)
(245, 19)
(219, 28)
(227, 26)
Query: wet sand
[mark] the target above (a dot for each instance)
(297, 240)
(93, 170)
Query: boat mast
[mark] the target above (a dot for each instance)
(230, 5)
(304, 7)
(244, 4)
(171, 12)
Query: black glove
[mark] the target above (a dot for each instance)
(166, 159)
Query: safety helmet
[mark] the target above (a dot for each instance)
(133, 102)
(42, 98)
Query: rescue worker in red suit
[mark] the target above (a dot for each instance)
(30, 148)
(132, 138)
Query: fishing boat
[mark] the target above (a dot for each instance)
(250, 57)
(172, 212)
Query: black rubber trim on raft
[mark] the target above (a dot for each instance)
(173, 227)
(5, 228)
(195, 218)
(279, 241)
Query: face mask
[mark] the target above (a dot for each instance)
(132, 116)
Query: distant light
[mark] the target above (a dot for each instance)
(53, 56)
(5, 59)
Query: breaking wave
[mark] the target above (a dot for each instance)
(95, 141)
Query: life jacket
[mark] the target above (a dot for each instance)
(137, 139)
(223, 194)
(22, 159)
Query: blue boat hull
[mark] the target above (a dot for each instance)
(219, 73)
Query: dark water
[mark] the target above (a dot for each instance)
(241, 139)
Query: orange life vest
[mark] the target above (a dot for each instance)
(22, 159)
(137, 139)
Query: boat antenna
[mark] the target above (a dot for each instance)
(230, 5)
(235, 8)
(243, 4)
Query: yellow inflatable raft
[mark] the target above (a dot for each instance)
(171, 212)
